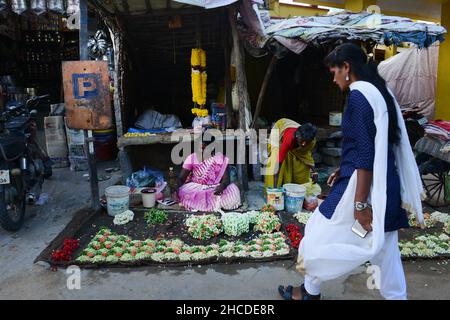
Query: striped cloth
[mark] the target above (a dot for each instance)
(198, 192)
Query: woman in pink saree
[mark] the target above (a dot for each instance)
(205, 185)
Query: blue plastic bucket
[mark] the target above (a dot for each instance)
(294, 197)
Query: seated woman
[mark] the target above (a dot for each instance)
(205, 185)
(292, 161)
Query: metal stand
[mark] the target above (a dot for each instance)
(88, 137)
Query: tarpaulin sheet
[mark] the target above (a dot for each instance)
(412, 77)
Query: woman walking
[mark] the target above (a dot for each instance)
(377, 184)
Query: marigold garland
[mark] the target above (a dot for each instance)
(199, 76)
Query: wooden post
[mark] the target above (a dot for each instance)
(263, 90)
(118, 47)
(88, 137)
(228, 82)
(244, 98)
(241, 79)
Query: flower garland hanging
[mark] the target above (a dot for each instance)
(199, 79)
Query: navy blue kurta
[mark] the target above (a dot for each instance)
(358, 152)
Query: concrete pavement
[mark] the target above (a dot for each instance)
(69, 191)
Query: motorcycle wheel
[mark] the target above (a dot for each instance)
(12, 215)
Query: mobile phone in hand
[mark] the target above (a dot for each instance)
(359, 230)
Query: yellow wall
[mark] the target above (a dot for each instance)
(358, 5)
(286, 10)
(443, 88)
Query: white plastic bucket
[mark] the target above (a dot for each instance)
(275, 197)
(118, 199)
(148, 197)
(295, 196)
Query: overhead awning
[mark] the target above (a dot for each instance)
(208, 4)
(297, 32)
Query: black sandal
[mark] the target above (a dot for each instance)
(286, 294)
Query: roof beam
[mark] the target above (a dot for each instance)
(148, 6)
(126, 6)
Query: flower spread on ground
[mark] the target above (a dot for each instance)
(123, 218)
(204, 227)
(268, 208)
(303, 217)
(65, 254)
(426, 246)
(294, 235)
(432, 220)
(267, 222)
(125, 249)
(235, 223)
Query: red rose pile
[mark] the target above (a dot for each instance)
(70, 245)
(294, 235)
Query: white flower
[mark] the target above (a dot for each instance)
(123, 218)
(444, 237)
(127, 257)
(235, 224)
(98, 259)
(112, 259)
(176, 243)
(184, 256)
(282, 252)
(406, 252)
(256, 254)
(212, 253)
(157, 256)
(227, 254)
(170, 256)
(84, 259)
(142, 256)
(199, 256)
(267, 254)
(303, 217)
(251, 216)
(241, 254)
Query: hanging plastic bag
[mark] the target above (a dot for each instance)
(56, 6)
(19, 6)
(145, 178)
(73, 6)
(38, 7)
(311, 201)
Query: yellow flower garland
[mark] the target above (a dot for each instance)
(199, 76)
(200, 112)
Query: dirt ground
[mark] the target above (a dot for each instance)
(69, 192)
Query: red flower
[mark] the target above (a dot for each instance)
(294, 235)
(69, 246)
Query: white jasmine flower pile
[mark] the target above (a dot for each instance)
(235, 223)
(303, 217)
(426, 246)
(123, 218)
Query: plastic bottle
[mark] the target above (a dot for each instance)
(172, 180)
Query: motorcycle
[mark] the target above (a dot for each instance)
(24, 165)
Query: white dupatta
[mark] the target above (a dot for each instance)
(330, 249)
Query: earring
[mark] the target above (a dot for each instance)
(347, 78)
